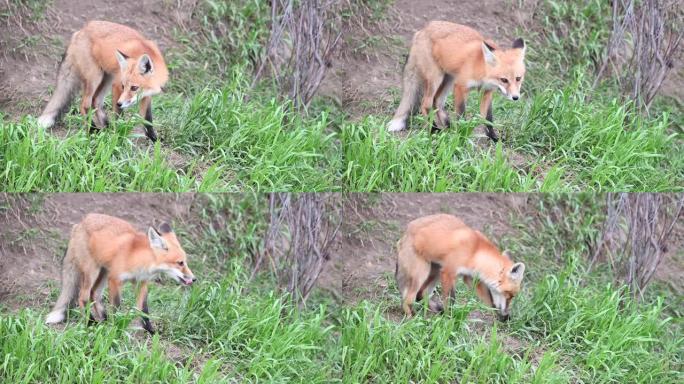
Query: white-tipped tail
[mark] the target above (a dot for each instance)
(409, 96)
(55, 317)
(396, 125)
(46, 121)
(67, 82)
(70, 279)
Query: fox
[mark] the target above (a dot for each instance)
(446, 55)
(103, 247)
(443, 247)
(102, 55)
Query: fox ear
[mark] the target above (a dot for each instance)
(517, 271)
(145, 65)
(165, 228)
(156, 241)
(122, 59)
(488, 53)
(519, 43)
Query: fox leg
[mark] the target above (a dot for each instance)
(440, 97)
(429, 286)
(114, 292)
(448, 279)
(142, 305)
(88, 279)
(98, 100)
(146, 111)
(90, 85)
(420, 271)
(481, 290)
(486, 111)
(96, 295)
(116, 94)
(432, 84)
(460, 96)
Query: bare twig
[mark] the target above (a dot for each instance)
(644, 42)
(302, 228)
(635, 235)
(303, 36)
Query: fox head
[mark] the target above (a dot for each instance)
(505, 287)
(505, 69)
(170, 257)
(138, 79)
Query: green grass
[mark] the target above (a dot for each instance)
(220, 134)
(568, 325)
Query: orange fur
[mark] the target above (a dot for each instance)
(443, 245)
(446, 55)
(105, 247)
(103, 55)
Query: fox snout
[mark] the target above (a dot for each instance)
(123, 104)
(188, 279)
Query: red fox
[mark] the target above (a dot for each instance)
(105, 54)
(443, 246)
(105, 247)
(445, 54)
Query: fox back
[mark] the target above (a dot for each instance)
(446, 243)
(466, 54)
(115, 244)
(136, 63)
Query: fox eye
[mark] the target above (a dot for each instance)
(180, 263)
(134, 88)
(504, 80)
(518, 78)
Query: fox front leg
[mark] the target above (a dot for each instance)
(486, 111)
(142, 305)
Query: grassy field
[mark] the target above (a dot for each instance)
(568, 325)
(218, 134)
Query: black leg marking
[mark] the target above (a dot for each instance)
(147, 324)
(116, 300)
(149, 129)
(461, 109)
(491, 298)
(91, 319)
(491, 133)
(93, 128)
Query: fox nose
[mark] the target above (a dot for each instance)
(194, 279)
(515, 98)
(119, 104)
(504, 318)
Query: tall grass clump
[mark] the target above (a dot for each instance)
(259, 142)
(31, 159)
(377, 160)
(606, 335)
(35, 353)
